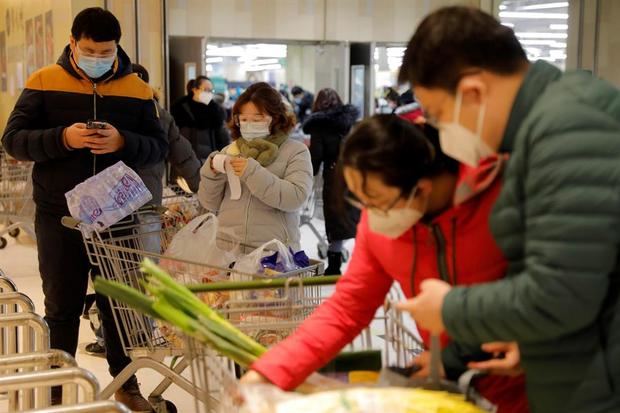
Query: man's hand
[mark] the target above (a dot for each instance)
(107, 140)
(76, 135)
(239, 165)
(506, 359)
(426, 307)
(423, 360)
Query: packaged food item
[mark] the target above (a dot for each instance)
(108, 197)
(266, 399)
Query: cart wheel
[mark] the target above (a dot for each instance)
(2, 243)
(163, 406)
(14, 232)
(322, 250)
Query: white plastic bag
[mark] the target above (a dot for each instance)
(197, 242)
(106, 198)
(251, 263)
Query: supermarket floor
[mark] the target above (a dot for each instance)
(19, 261)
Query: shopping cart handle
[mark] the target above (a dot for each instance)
(262, 284)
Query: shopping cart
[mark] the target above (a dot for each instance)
(277, 318)
(118, 252)
(16, 203)
(313, 209)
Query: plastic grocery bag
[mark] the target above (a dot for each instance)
(267, 398)
(270, 259)
(108, 197)
(197, 242)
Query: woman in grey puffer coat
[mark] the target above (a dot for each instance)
(275, 172)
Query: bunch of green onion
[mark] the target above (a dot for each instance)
(173, 303)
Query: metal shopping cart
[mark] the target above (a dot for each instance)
(277, 317)
(313, 209)
(118, 253)
(16, 203)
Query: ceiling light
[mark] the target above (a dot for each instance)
(264, 67)
(536, 35)
(558, 26)
(215, 59)
(545, 6)
(511, 25)
(530, 15)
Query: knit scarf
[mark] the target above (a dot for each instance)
(264, 150)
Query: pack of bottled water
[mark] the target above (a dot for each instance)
(108, 197)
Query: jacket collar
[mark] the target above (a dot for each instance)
(538, 77)
(474, 181)
(121, 67)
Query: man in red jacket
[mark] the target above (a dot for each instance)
(389, 165)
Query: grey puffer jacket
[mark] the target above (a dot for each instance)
(271, 197)
(181, 157)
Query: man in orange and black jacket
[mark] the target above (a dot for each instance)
(92, 80)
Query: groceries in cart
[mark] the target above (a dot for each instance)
(272, 259)
(269, 399)
(197, 242)
(108, 197)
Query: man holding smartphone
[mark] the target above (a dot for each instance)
(74, 119)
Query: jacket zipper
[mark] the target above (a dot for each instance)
(442, 263)
(94, 118)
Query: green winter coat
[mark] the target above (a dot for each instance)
(557, 220)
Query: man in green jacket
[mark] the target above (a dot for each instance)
(557, 218)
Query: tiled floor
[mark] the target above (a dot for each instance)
(19, 261)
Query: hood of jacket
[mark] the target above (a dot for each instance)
(341, 117)
(120, 68)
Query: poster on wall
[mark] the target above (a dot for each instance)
(49, 39)
(3, 63)
(29, 47)
(39, 50)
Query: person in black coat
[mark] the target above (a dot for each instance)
(303, 103)
(200, 119)
(327, 126)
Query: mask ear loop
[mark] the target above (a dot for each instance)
(483, 110)
(457, 107)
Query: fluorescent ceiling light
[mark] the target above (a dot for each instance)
(264, 67)
(537, 42)
(558, 26)
(559, 44)
(215, 59)
(531, 15)
(265, 61)
(536, 35)
(545, 6)
(511, 25)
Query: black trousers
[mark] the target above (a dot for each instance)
(65, 269)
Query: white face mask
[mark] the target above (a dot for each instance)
(205, 97)
(254, 130)
(395, 222)
(460, 143)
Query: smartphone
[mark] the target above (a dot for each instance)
(96, 124)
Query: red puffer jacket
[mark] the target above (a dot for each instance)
(455, 246)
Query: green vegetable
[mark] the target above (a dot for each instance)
(176, 305)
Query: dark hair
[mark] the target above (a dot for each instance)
(452, 40)
(97, 24)
(296, 90)
(393, 96)
(140, 71)
(398, 151)
(194, 84)
(326, 99)
(268, 100)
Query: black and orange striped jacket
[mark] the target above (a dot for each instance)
(60, 95)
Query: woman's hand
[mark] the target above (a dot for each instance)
(423, 360)
(239, 165)
(253, 377)
(506, 359)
